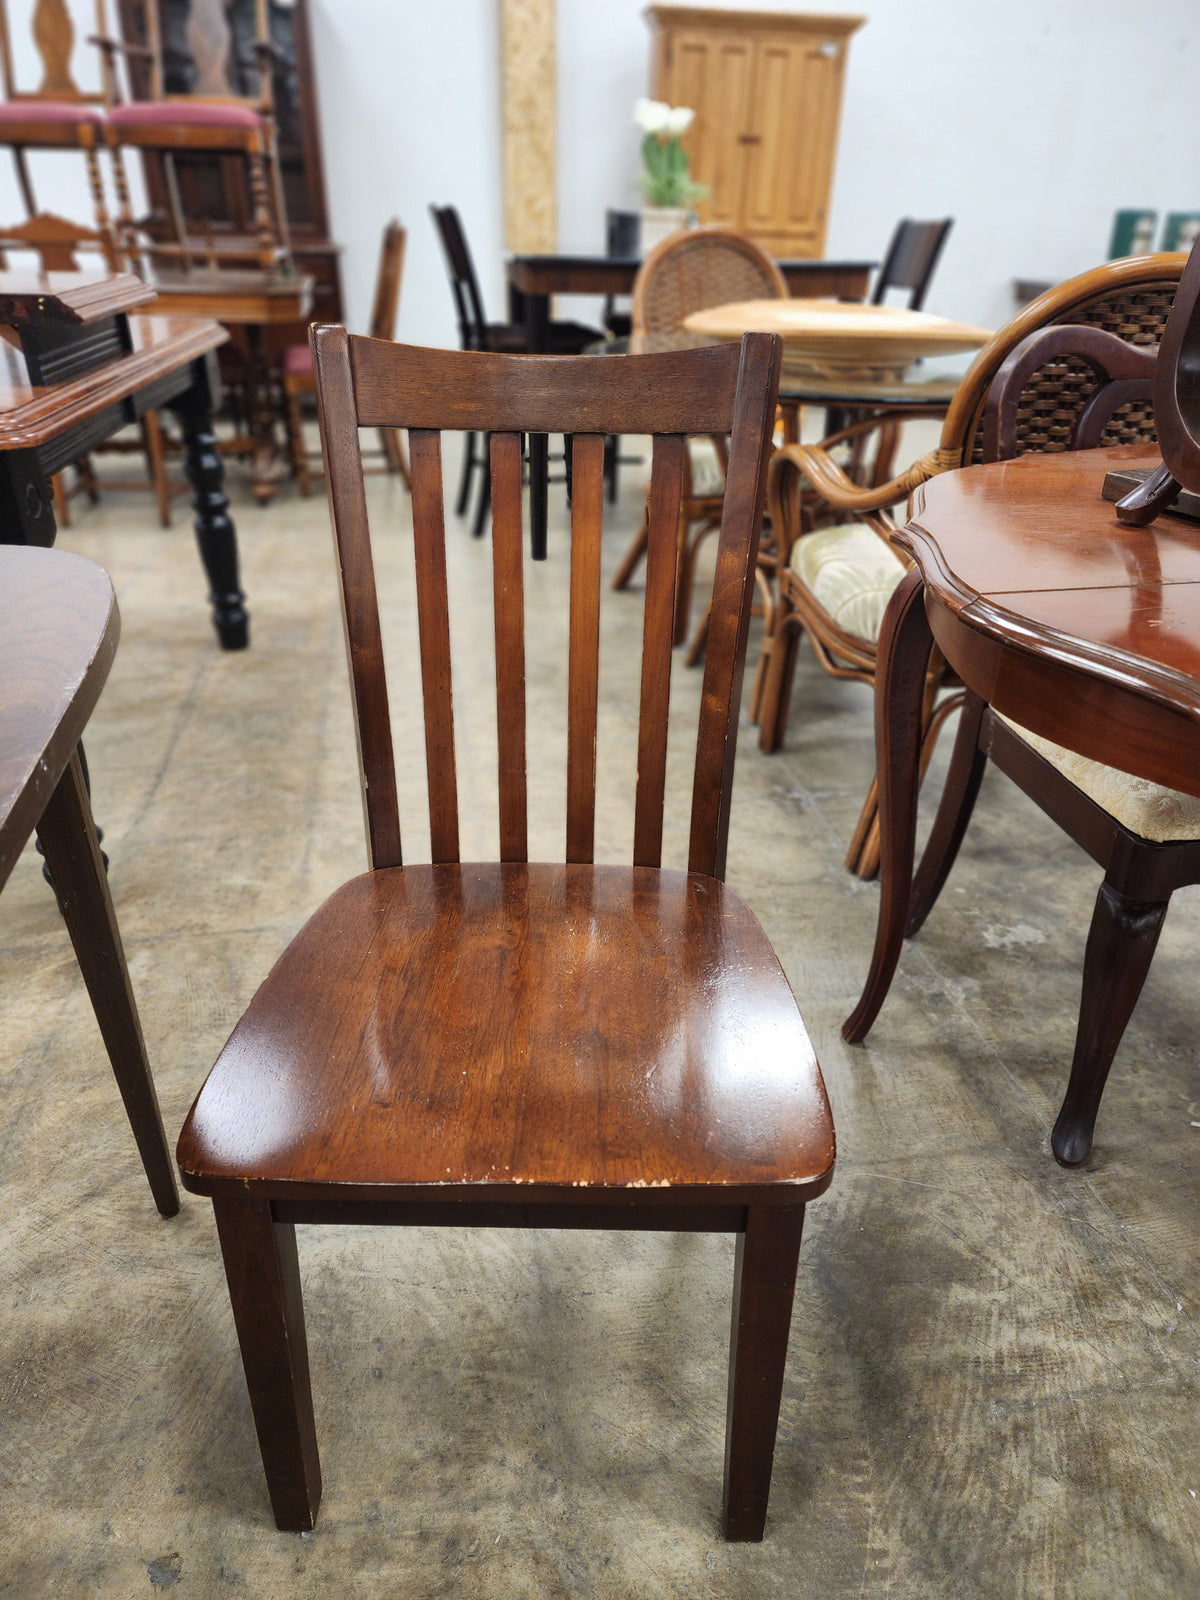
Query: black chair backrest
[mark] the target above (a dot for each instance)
(468, 302)
(622, 233)
(911, 258)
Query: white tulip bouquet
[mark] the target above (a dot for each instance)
(665, 176)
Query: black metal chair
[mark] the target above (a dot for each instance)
(504, 338)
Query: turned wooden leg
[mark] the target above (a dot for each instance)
(468, 472)
(634, 554)
(215, 533)
(156, 463)
(392, 446)
(764, 1286)
(1120, 947)
(967, 766)
(67, 836)
(263, 1273)
(295, 429)
(905, 646)
(781, 669)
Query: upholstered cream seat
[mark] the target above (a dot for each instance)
(1147, 809)
(851, 573)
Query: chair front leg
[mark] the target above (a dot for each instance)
(263, 1272)
(1120, 948)
(764, 1286)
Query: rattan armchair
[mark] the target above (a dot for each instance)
(834, 581)
(688, 272)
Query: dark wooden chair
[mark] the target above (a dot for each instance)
(297, 365)
(1144, 836)
(515, 1044)
(837, 567)
(912, 257)
(475, 332)
(210, 119)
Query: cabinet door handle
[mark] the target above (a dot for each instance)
(749, 138)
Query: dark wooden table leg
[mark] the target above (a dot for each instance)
(537, 338)
(68, 839)
(215, 533)
(905, 646)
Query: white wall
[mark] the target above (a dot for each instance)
(1029, 121)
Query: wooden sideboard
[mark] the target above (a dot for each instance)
(766, 87)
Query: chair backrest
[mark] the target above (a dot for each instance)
(1131, 298)
(468, 303)
(1124, 373)
(387, 281)
(54, 39)
(364, 383)
(697, 268)
(911, 258)
(1177, 381)
(58, 243)
(204, 68)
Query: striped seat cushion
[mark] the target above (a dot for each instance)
(851, 573)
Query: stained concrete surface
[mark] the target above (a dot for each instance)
(993, 1380)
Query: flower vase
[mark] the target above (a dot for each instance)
(660, 222)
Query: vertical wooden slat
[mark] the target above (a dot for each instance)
(508, 586)
(587, 509)
(433, 624)
(360, 608)
(666, 491)
(729, 622)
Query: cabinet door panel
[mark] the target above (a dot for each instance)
(714, 77)
(796, 102)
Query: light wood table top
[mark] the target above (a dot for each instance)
(829, 340)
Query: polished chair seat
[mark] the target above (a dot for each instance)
(213, 114)
(408, 1082)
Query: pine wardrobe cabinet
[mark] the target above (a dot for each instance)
(766, 87)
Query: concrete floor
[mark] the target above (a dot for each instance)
(995, 1365)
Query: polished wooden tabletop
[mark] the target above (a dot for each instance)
(31, 415)
(58, 634)
(583, 274)
(1082, 628)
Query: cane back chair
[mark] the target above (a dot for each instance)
(835, 580)
(297, 365)
(690, 271)
(516, 1044)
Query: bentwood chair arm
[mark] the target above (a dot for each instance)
(829, 480)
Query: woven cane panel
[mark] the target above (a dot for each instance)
(1051, 401)
(709, 272)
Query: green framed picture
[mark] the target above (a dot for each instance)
(1132, 233)
(1180, 230)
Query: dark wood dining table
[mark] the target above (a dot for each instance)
(1073, 624)
(86, 362)
(533, 279)
(59, 627)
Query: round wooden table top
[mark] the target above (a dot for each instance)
(1072, 623)
(832, 338)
